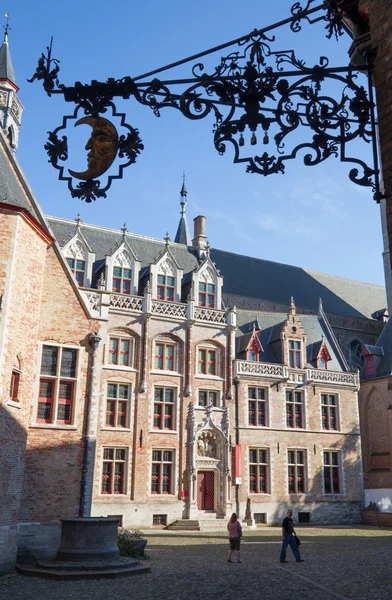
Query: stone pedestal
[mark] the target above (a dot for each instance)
(87, 539)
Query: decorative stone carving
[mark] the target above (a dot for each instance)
(256, 368)
(166, 268)
(210, 315)
(171, 309)
(77, 250)
(126, 302)
(207, 275)
(123, 260)
(3, 98)
(207, 444)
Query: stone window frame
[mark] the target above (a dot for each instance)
(123, 257)
(209, 389)
(121, 334)
(56, 378)
(167, 340)
(125, 462)
(77, 249)
(266, 464)
(165, 385)
(117, 400)
(294, 391)
(337, 405)
(173, 490)
(209, 346)
(339, 470)
(266, 403)
(295, 353)
(303, 465)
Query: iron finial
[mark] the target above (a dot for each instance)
(167, 238)
(78, 219)
(183, 192)
(124, 229)
(6, 26)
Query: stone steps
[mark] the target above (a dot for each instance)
(184, 525)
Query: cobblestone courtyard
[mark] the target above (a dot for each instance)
(339, 563)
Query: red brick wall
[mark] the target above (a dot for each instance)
(54, 454)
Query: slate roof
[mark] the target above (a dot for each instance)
(269, 284)
(384, 367)
(183, 236)
(276, 283)
(6, 68)
(103, 241)
(11, 191)
(312, 324)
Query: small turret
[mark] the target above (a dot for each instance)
(10, 106)
(183, 235)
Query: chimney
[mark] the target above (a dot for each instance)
(199, 236)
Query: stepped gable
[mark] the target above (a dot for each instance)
(247, 277)
(271, 325)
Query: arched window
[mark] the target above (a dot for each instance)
(355, 354)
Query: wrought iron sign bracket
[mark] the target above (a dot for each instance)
(257, 96)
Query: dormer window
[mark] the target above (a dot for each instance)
(252, 356)
(165, 288)
(370, 365)
(295, 354)
(122, 280)
(207, 293)
(78, 268)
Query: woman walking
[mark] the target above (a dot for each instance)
(235, 532)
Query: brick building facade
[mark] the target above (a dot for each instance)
(163, 380)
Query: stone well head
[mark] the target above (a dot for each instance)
(88, 538)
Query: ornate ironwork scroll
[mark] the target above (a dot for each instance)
(257, 96)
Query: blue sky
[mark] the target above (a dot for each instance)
(312, 217)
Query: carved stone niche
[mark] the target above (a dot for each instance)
(208, 445)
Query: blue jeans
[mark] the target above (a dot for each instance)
(289, 540)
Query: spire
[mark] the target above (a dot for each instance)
(183, 235)
(6, 68)
(10, 106)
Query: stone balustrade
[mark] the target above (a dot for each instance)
(100, 302)
(296, 376)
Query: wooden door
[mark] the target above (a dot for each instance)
(205, 490)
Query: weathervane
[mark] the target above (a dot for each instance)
(257, 96)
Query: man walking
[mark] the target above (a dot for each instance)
(289, 539)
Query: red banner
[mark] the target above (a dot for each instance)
(238, 460)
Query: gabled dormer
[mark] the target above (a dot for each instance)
(319, 355)
(249, 345)
(372, 356)
(166, 276)
(79, 256)
(122, 268)
(207, 283)
(293, 340)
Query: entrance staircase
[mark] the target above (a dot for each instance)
(206, 522)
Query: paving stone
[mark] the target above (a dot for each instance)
(339, 564)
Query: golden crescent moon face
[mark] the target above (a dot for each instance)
(103, 146)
